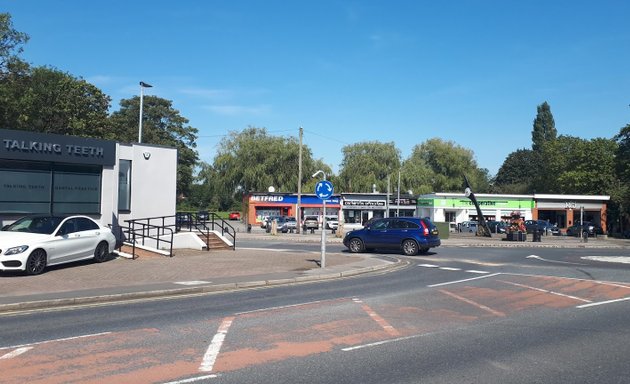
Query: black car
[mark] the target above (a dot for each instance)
(411, 235)
(542, 226)
(587, 227)
(497, 226)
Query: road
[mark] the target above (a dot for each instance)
(457, 315)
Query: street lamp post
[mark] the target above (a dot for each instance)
(143, 85)
(322, 263)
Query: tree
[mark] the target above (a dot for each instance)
(162, 125)
(621, 195)
(544, 127)
(368, 164)
(11, 42)
(47, 100)
(578, 166)
(516, 175)
(253, 160)
(447, 163)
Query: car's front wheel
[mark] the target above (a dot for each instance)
(410, 247)
(101, 253)
(356, 245)
(36, 262)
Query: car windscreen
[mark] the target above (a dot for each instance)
(40, 224)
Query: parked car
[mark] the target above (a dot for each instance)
(410, 235)
(541, 225)
(183, 219)
(310, 222)
(203, 216)
(281, 224)
(35, 242)
(588, 227)
(332, 222)
(555, 231)
(234, 216)
(468, 226)
(497, 226)
(291, 224)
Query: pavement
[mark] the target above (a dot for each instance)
(191, 272)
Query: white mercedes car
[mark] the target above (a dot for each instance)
(35, 242)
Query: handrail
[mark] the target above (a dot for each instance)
(138, 230)
(204, 222)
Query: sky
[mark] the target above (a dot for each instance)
(470, 72)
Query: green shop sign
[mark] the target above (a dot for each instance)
(455, 202)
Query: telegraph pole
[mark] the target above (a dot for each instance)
(298, 214)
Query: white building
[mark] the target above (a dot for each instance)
(108, 181)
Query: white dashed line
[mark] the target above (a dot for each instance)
(194, 282)
(428, 266)
(215, 345)
(15, 353)
(463, 281)
(477, 272)
(450, 269)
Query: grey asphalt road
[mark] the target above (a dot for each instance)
(458, 315)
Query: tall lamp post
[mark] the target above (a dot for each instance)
(143, 85)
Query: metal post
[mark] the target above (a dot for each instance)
(298, 214)
(142, 86)
(323, 258)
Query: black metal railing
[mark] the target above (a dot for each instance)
(155, 229)
(204, 223)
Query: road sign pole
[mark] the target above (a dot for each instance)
(324, 190)
(322, 262)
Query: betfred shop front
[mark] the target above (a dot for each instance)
(262, 205)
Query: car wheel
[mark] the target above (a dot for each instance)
(356, 245)
(410, 247)
(36, 262)
(101, 253)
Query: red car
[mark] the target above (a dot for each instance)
(235, 216)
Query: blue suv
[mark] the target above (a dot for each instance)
(411, 235)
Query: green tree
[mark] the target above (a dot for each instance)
(621, 195)
(578, 166)
(447, 163)
(11, 42)
(516, 175)
(253, 160)
(47, 100)
(367, 164)
(161, 125)
(544, 127)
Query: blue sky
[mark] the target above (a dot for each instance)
(397, 71)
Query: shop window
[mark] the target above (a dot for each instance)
(124, 185)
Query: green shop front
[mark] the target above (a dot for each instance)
(456, 207)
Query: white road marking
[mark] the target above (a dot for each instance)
(15, 353)
(214, 348)
(193, 282)
(476, 271)
(192, 380)
(463, 281)
(377, 318)
(602, 303)
(609, 259)
(428, 266)
(546, 291)
(473, 303)
(552, 261)
(283, 307)
(382, 342)
(450, 269)
(55, 340)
